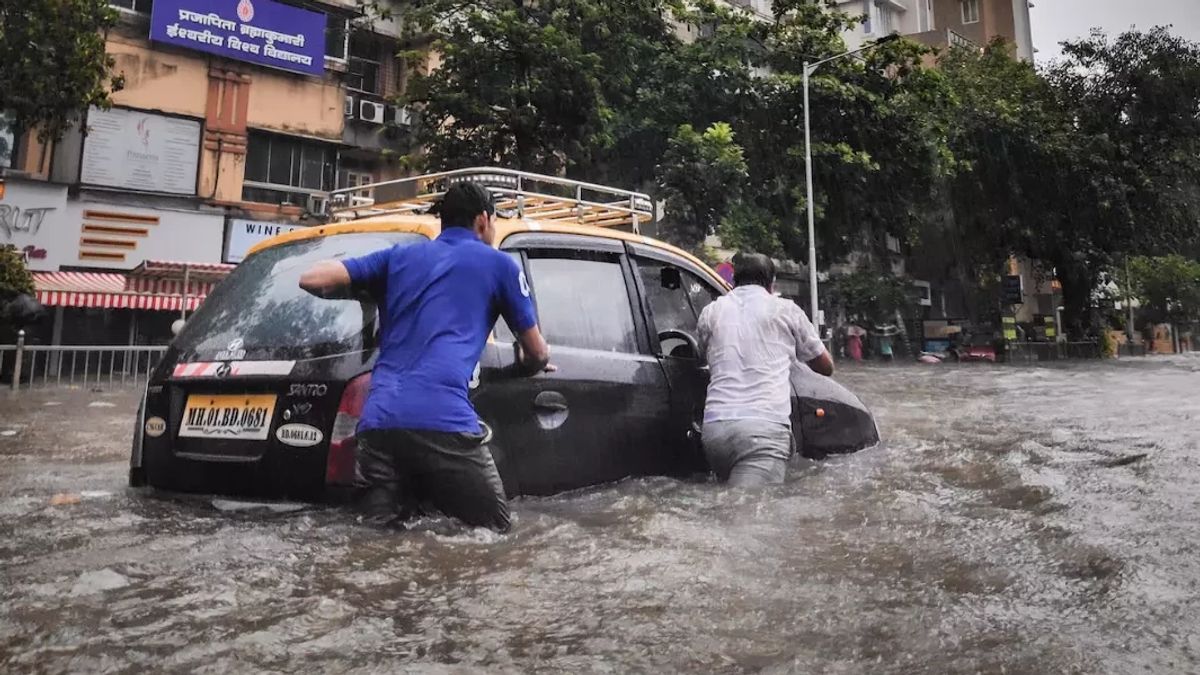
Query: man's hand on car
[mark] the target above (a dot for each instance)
(532, 353)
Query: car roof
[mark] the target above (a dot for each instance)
(430, 227)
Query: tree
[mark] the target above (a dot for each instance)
(15, 278)
(1168, 287)
(532, 85)
(869, 297)
(701, 175)
(1093, 159)
(15, 281)
(52, 62)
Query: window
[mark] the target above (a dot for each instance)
(676, 298)
(582, 301)
(350, 179)
(139, 6)
(970, 11)
(927, 18)
(286, 170)
(262, 303)
(337, 37)
(362, 72)
(887, 19)
(869, 16)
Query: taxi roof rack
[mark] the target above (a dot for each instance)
(519, 193)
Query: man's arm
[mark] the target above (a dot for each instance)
(533, 353)
(332, 279)
(326, 279)
(704, 332)
(823, 364)
(809, 347)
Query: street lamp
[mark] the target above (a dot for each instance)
(809, 69)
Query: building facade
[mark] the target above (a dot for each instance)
(943, 23)
(237, 119)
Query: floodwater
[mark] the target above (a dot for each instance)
(1020, 520)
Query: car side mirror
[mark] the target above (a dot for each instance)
(671, 279)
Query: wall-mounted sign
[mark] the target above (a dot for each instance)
(33, 218)
(141, 151)
(243, 234)
(258, 31)
(119, 237)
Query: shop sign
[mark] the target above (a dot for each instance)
(257, 31)
(33, 220)
(119, 237)
(141, 151)
(244, 234)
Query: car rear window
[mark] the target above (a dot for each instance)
(262, 305)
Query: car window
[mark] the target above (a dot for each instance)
(582, 301)
(675, 301)
(669, 302)
(261, 304)
(701, 294)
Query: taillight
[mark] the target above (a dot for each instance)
(341, 467)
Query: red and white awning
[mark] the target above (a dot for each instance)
(113, 291)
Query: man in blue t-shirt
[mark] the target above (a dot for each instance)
(419, 437)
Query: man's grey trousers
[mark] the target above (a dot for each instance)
(748, 452)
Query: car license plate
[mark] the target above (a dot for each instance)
(237, 417)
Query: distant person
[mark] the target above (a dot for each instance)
(420, 438)
(750, 338)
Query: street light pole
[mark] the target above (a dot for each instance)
(812, 233)
(809, 69)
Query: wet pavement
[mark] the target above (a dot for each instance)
(1021, 520)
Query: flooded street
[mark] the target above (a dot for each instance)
(1021, 520)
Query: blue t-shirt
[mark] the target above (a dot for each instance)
(438, 301)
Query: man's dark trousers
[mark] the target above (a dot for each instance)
(454, 472)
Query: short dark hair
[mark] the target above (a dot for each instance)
(462, 202)
(753, 269)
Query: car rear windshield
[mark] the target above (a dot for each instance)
(262, 305)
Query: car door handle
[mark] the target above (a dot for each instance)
(550, 401)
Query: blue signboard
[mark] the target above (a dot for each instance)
(259, 31)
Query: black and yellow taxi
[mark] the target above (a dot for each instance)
(260, 393)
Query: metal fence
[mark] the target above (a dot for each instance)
(39, 366)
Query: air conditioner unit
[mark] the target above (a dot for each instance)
(370, 111)
(348, 107)
(318, 205)
(403, 116)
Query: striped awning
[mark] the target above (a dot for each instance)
(108, 290)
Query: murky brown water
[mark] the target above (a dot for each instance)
(1007, 526)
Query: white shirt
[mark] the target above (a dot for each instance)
(750, 339)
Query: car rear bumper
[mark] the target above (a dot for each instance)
(298, 475)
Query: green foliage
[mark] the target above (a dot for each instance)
(1168, 287)
(1097, 157)
(52, 62)
(700, 176)
(967, 164)
(749, 228)
(532, 86)
(870, 298)
(15, 279)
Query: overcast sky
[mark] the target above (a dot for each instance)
(1058, 20)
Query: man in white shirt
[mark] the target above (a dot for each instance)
(750, 339)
